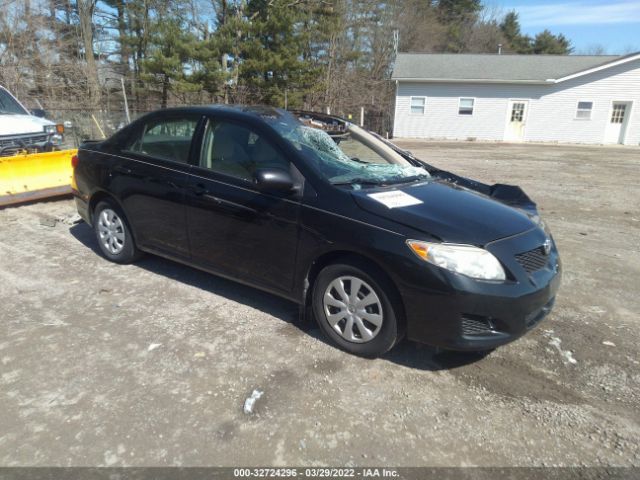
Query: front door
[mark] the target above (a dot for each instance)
(617, 122)
(516, 120)
(234, 229)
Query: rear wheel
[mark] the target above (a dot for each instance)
(353, 307)
(113, 233)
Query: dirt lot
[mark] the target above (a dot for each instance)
(150, 364)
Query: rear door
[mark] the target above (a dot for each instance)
(233, 228)
(151, 174)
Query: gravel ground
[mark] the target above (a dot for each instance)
(150, 364)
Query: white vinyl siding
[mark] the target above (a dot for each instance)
(552, 109)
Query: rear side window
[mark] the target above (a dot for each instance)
(168, 138)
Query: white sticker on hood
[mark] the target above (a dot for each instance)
(395, 199)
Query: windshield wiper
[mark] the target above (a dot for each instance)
(359, 181)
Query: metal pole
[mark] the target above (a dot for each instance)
(126, 103)
(362, 116)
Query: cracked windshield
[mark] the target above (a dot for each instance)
(354, 157)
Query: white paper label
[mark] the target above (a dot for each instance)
(395, 199)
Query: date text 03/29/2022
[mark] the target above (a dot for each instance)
(315, 473)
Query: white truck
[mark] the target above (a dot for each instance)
(27, 131)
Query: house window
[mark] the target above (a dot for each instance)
(584, 110)
(465, 107)
(417, 105)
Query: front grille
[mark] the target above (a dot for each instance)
(533, 260)
(14, 144)
(476, 325)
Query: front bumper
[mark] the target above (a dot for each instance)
(30, 143)
(459, 313)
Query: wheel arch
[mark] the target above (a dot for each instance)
(352, 258)
(97, 197)
(101, 195)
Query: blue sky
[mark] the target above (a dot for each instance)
(615, 25)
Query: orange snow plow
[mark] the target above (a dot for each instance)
(26, 177)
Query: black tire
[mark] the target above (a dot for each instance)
(128, 251)
(386, 335)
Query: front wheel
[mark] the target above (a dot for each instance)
(113, 233)
(353, 307)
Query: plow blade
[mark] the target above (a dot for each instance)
(28, 177)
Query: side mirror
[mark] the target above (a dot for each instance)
(38, 112)
(273, 180)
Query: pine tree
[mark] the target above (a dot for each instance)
(458, 16)
(548, 43)
(510, 27)
(171, 48)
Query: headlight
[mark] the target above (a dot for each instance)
(468, 260)
(50, 129)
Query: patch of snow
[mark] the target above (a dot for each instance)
(250, 402)
(565, 354)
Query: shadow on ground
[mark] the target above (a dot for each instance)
(408, 354)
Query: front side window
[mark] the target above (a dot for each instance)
(168, 138)
(584, 110)
(8, 104)
(465, 106)
(417, 105)
(237, 151)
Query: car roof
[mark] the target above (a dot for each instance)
(255, 112)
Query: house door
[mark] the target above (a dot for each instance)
(617, 122)
(516, 120)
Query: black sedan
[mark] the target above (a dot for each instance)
(371, 241)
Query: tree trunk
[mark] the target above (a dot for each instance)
(122, 37)
(85, 14)
(165, 91)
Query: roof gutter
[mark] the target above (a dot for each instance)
(474, 80)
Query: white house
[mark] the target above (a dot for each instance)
(538, 98)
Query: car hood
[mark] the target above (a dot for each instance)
(451, 213)
(14, 124)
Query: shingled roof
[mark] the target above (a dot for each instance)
(496, 68)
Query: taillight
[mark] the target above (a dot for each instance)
(74, 161)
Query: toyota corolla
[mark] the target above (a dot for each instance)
(373, 243)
